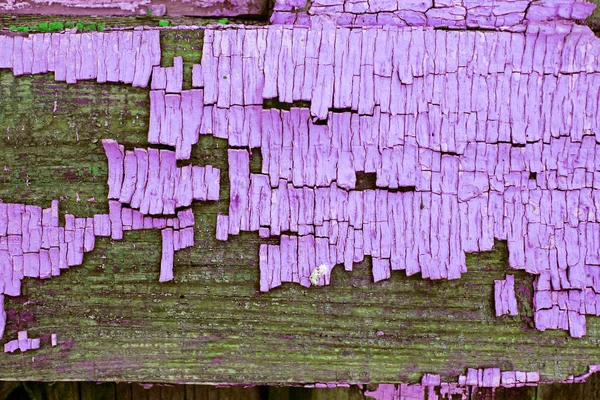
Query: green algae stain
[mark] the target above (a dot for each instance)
(94, 170)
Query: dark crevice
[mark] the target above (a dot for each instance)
(532, 176)
(255, 161)
(130, 146)
(280, 105)
(164, 216)
(366, 181)
(158, 147)
(342, 110)
(288, 233)
(402, 189)
(264, 18)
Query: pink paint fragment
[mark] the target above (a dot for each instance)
(222, 227)
(34, 343)
(239, 178)
(11, 346)
(212, 179)
(102, 225)
(192, 105)
(186, 237)
(174, 76)
(186, 218)
(116, 222)
(264, 233)
(23, 343)
(166, 263)
(265, 284)
(2, 315)
(504, 295)
(115, 155)
(196, 76)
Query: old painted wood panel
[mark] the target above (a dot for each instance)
(115, 321)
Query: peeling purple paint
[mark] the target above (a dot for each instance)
(38, 247)
(493, 14)
(474, 136)
(22, 343)
(457, 166)
(123, 56)
(431, 385)
(142, 182)
(504, 296)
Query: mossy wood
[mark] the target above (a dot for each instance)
(116, 322)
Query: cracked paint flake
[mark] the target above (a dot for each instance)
(511, 15)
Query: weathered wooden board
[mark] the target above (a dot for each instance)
(116, 322)
(135, 7)
(134, 391)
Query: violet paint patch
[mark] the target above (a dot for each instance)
(457, 166)
(493, 14)
(22, 343)
(123, 56)
(142, 182)
(504, 296)
(150, 181)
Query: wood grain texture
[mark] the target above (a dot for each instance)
(116, 322)
(135, 7)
